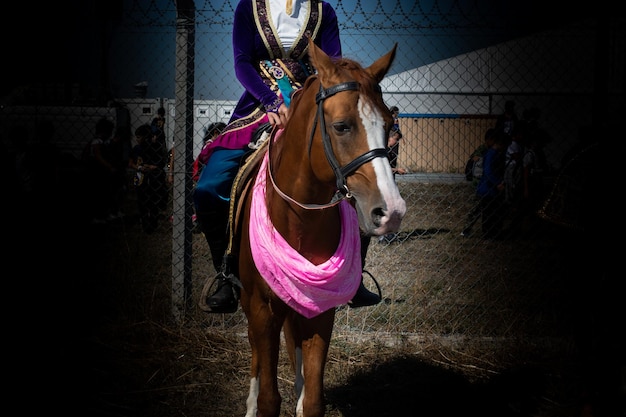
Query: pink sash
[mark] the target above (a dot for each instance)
(307, 288)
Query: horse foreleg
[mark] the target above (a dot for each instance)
(293, 342)
(316, 334)
(264, 328)
(253, 394)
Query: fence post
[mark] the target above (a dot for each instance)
(183, 158)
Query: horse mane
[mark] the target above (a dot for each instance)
(295, 97)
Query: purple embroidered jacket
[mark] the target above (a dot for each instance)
(249, 49)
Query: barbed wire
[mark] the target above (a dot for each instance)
(379, 15)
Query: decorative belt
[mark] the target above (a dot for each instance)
(282, 77)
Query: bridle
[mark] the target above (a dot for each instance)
(341, 173)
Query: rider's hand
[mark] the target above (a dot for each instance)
(279, 118)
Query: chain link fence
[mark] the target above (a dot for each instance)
(456, 68)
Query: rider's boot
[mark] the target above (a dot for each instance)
(363, 296)
(225, 298)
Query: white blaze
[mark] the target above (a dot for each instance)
(374, 125)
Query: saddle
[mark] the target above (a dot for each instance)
(243, 181)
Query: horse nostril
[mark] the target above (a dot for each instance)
(377, 214)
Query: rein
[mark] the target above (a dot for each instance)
(340, 172)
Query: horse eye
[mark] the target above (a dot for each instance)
(341, 127)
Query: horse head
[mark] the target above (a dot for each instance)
(357, 123)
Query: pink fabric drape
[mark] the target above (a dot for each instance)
(307, 288)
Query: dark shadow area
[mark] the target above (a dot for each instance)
(408, 385)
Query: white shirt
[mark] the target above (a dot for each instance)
(286, 26)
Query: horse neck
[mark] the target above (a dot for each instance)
(313, 232)
(298, 161)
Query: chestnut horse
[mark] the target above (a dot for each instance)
(323, 177)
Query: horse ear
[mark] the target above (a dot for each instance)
(379, 68)
(321, 62)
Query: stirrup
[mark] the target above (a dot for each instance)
(207, 289)
(380, 292)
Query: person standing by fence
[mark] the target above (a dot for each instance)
(508, 121)
(117, 153)
(99, 172)
(148, 160)
(393, 149)
(478, 157)
(158, 130)
(490, 192)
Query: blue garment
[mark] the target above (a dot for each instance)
(217, 178)
(493, 174)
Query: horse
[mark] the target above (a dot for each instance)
(323, 178)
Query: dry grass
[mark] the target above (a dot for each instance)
(444, 342)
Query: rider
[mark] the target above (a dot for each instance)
(270, 64)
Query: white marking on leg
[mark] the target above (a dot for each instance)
(299, 383)
(299, 410)
(253, 395)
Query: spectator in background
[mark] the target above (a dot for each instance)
(158, 130)
(490, 190)
(530, 123)
(21, 179)
(158, 126)
(533, 171)
(393, 148)
(507, 121)
(99, 172)
(393, 142)
(513, 181)
(474, 167)
(478, 158)
(117, 153)
(395, 111)
(147, 160)
(513, 167)
(531, 189)
(45, 159)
